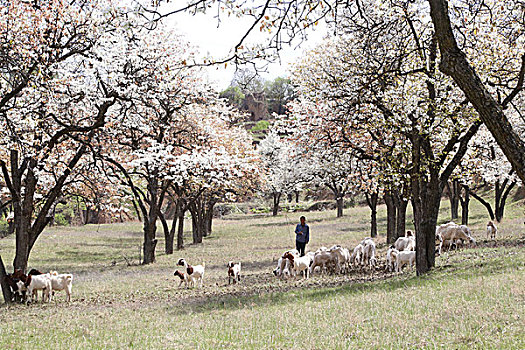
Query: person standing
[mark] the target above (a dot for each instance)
(302, 236)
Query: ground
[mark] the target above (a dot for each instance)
(475, 298)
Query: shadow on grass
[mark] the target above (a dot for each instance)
(389, 283)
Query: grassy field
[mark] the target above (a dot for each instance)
(474, 298)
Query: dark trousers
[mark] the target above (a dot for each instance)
(300, 247)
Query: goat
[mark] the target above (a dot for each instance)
(405, 257)
(195, 273)
(324, 259)
(283, 268)
(452, 234)
(492, 230)
(18, 275)
(34, 283)
(369, 252)
(183, 277)
(391, 259)
(61, 282)
(343, 257)
(234, 272)
(357, 254)
(405, 243)
(298, 264)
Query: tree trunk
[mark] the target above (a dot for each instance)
(198, 219)
(455, 64)
(453, 190)
(371, 200)
(485, 203)
(208, 216)
(180, 230)
(401, 210)
(150, 221)
(150, 242)
(426, 214)
(297, 196)
(390, 218)
(426, 199)
(340, 205)
(6, 290)
(137, 211)
(22, 247)
(501, 193)
(276, 200)
(465, 201)
(27, 227)
(169, 234)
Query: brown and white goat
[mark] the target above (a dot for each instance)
(195, 273)
(492, 230)
(234, 272)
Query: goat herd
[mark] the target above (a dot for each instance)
(339, 260)
(35, 280)
(334, 260)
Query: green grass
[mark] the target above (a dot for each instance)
(474, 299)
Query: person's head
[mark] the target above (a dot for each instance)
(303, 220)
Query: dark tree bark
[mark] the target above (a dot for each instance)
(485, 204)
(426, 198)
(340, 206)
(180, 230)
(169, 234)
(23, 189)
(454, 189)
(339, 195)
(371, 200)
(6, 290)
(501, 193)
(137, 211)
(198, 219)
(209, 215)
(276, 199)
(455, 64)
(151, 214)
(400, 204)
(465, 202)
(390, 218)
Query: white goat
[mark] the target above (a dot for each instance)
(391, 258)
(405, 257)
(234, 272)
(369, 252)
(298, 264)
(283, 268)
(405, 243)
(451, 234)
(324, 259)
(343, 257)
(195, 273)
(61, 282)
(34, 283)
(357, 255)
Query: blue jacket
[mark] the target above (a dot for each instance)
(302, 233)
